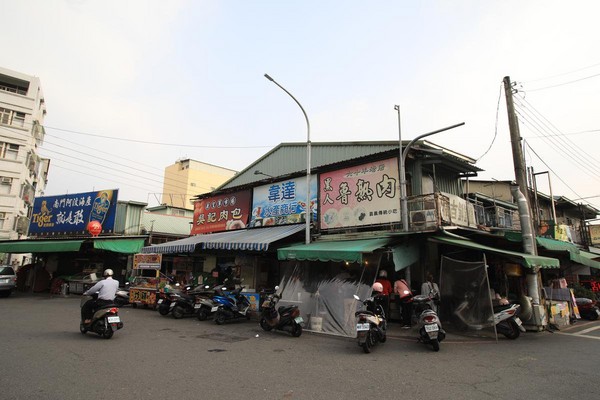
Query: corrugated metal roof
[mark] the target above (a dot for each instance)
(171, 224)
(290, 158)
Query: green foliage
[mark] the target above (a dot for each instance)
(582, 291)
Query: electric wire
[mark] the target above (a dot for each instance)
(561, 74)
(495, 126)
(562, 84)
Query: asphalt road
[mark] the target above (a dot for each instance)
(43, 356)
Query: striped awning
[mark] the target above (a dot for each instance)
(257, 239)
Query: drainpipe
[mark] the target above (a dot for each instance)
(529, 244)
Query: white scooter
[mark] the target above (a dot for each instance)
(507, 322)
(428, 324)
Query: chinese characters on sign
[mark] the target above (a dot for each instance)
(282, 203)
(70, 213)
(221, 213)
(363, 195)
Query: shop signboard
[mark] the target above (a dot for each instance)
(282, 203)
(147, 261)
(70, 214)
(595, 234)
(221, 213)
(461, 212)
(366, 194)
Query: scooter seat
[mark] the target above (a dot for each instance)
(502, 307)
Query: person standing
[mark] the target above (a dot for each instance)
(385, 292)
(430, 289)
(404, 298)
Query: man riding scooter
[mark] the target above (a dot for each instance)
(106, 289)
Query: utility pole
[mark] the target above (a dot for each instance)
(515, 139)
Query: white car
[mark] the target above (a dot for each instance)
(8, 280)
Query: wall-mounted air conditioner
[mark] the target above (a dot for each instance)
(423, 219)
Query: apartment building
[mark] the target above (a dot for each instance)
(188, 178)
(23, 173)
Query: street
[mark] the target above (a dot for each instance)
(44, 356)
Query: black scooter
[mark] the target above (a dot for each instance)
(105, 322)
(286, 318)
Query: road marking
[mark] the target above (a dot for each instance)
(578, 335)
(588, 330)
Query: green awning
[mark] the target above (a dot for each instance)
(346, 250)
(526, 260)
(127, 246)
(575, 254)
(40, 246)
(589, 259)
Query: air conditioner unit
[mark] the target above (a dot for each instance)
(6, 180)
(423, 219)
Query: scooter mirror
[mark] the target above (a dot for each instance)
(356, 297)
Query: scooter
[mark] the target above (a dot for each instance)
(507, 322)
(182, 304)
(286, 318)
(428, 324)
(105, 321)
(588, 308)
(122, 296)
(371, 324)
(232, 306)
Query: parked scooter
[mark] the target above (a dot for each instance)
(122, 296)
(588, 308)
(371, 324)
(286, 318)
(182, 304)
(105, 321)
(231, 306)
(428, 324)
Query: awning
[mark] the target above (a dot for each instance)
(575, 254)
(345, 250)
(127, 246)
(257, 239)
(40, 246)
(527, 260)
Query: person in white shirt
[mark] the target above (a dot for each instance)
(106, 289)
(430, 288)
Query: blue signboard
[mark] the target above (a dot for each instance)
(69, 214)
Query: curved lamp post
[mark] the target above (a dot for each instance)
(403, 199)
(308, 209)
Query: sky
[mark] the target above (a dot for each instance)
(133, 86)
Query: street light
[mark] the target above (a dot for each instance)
(307, 210)
(403, 199)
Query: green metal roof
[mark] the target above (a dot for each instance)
(40, 246)
(290, 158)
(169, 224)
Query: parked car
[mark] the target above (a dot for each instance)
(8, 280)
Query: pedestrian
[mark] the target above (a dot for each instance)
(430, 289)
(385, 292)
(404, 299)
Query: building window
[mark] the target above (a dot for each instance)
(5, 184)
(2, 219)
(9, 151)
(10, 117)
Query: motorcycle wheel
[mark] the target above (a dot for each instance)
(82, 329)
(296, 330)
(202, 314)
(163, 310)
(220, 318)
(513, 331)
(367, 344)
(107, 333)
(592, 316)
(384, 338)
(265, 325)
(436, 345)
(178, 312)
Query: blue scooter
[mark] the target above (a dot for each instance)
(231, 306)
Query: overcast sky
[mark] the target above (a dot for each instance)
(189, 75)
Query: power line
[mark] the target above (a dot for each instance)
(495, 126)
(562, 74)
(562, 84)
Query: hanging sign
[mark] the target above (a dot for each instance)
(221, 213)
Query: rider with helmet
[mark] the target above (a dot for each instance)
(106, 290)
(385, 292)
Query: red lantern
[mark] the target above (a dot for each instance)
(94, 227)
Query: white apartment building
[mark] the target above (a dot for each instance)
(23, 173)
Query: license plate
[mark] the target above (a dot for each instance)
(362, 327)
(172, 305)
(298, 320)
(431, 328)
(518, 321)
(598, 312)
(159, 301)
(214, 309)
(4, 280)
(114, 320)
(197, 305)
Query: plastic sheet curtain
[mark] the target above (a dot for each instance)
(324, 293)
(466, 304)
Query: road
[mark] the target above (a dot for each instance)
(45, 357)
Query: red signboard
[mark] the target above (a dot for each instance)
(222, 213)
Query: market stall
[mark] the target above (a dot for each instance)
(146, 280)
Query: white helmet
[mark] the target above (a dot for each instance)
(108, 272)
(377, 287)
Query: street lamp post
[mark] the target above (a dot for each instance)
(307, 210)
(403, 199)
